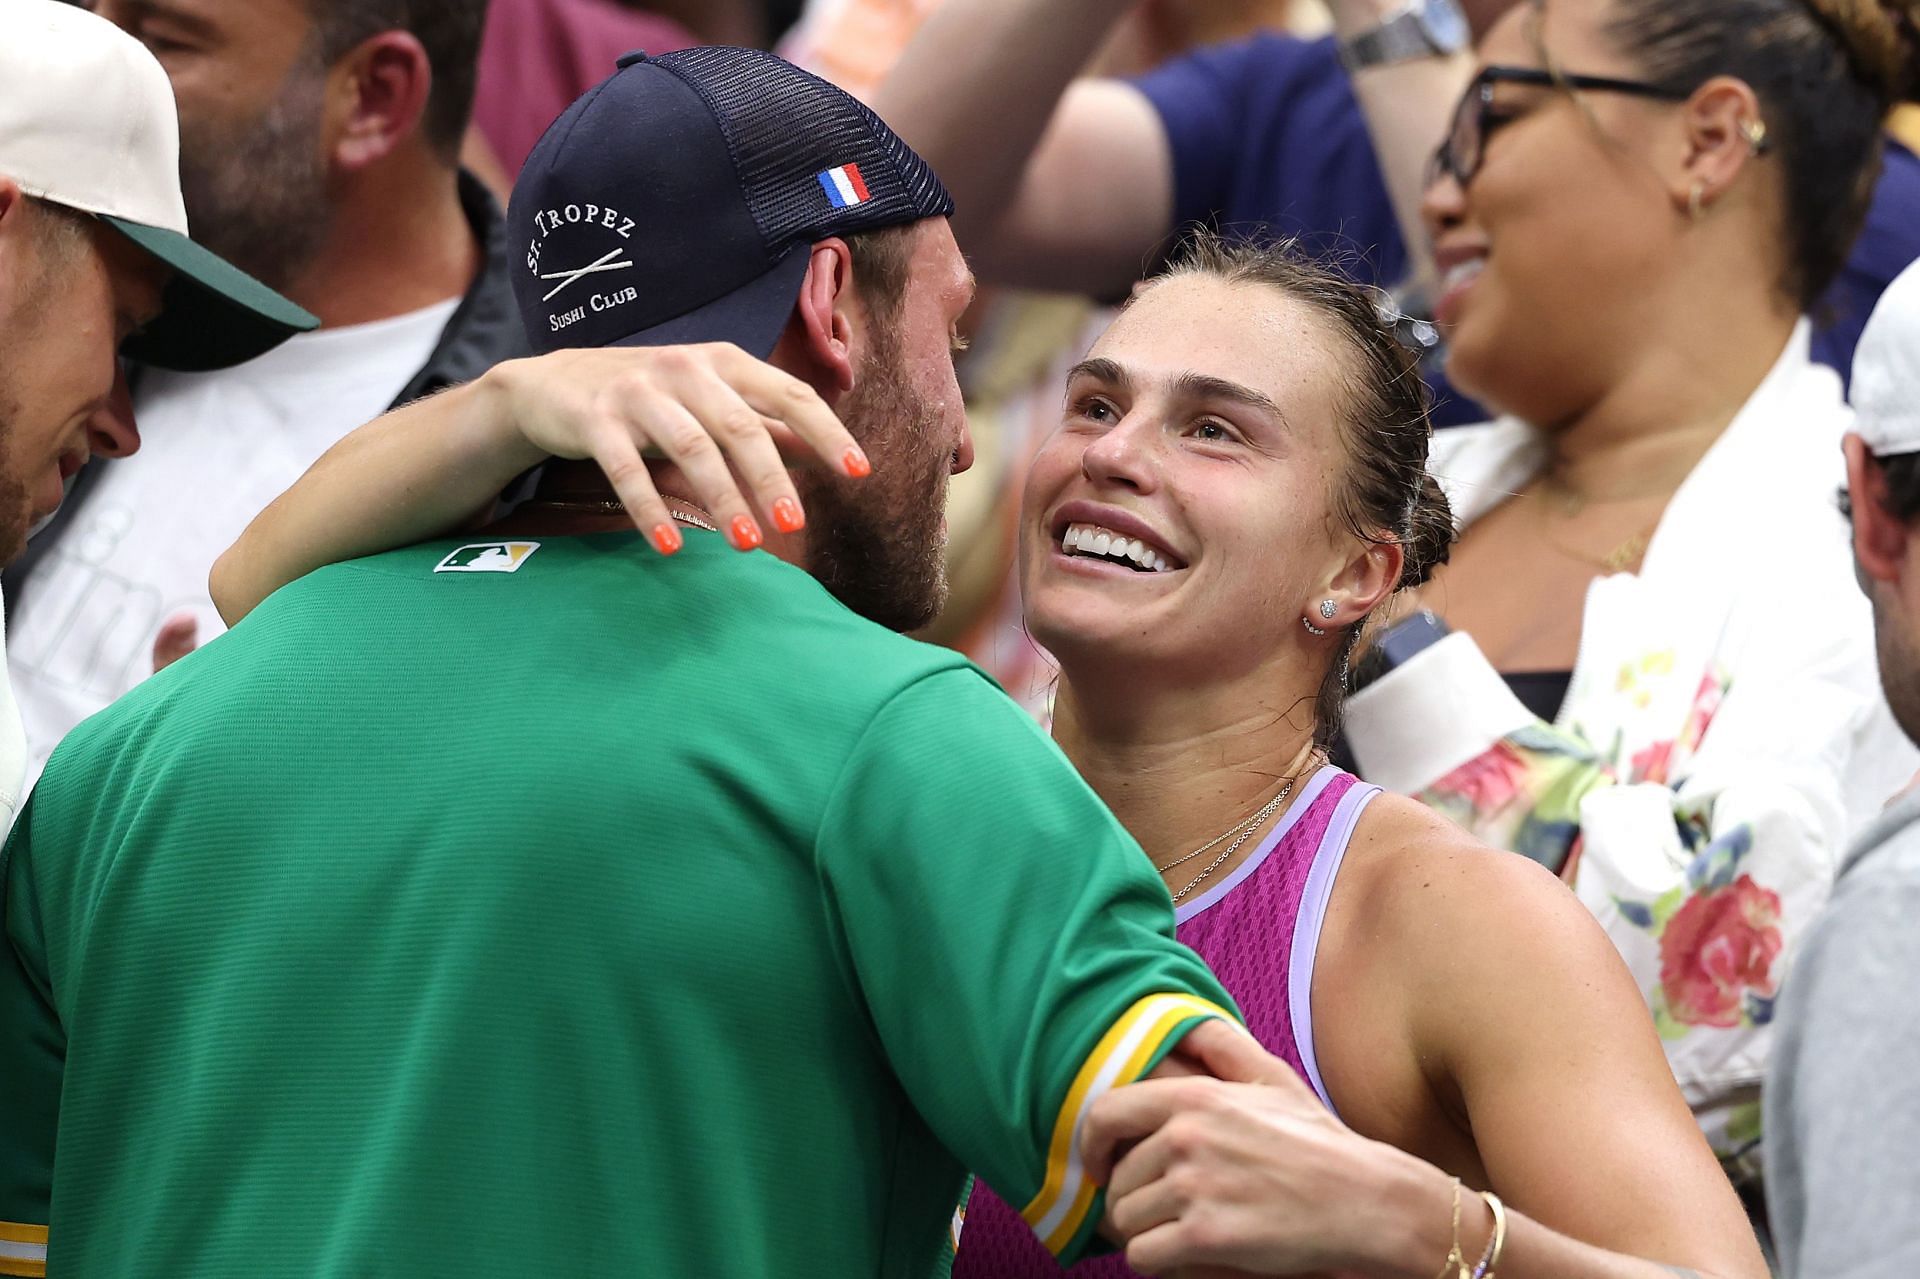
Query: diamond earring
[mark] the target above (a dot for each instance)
(1311, 628)
(1327, 609)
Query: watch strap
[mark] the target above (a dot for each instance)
(1403, 37)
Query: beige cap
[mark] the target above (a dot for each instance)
(87, 120)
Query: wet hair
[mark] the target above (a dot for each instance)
(1826, 73)
(449, 30)
(1385, 494)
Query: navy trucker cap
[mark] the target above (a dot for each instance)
(678, 199)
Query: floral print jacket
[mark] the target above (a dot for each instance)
(1723, 734)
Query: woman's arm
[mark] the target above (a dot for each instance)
(1704, 854)
(716, 413)
(1518, 1007)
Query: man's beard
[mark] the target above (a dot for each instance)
(16, 502)
(39, 287)
(1899, 658)
(879, 544)
(256, 193)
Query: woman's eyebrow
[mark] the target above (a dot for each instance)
(1206, 386)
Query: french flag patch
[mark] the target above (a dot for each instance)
(844, 186)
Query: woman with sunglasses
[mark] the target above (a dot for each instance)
(1647, 666)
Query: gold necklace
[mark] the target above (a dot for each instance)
(687, 517)
(1244, 829)
(1622, 556)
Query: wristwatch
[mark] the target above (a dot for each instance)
(1396, 646)
(1424, 29)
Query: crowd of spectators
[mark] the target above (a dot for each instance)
(1390, 447)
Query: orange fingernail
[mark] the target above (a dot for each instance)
(665, 538)
(857, 465)
(787, 517)
(746, 534)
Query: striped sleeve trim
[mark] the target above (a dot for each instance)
(1060, 1209)
(23, 1249)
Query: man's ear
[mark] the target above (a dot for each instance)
(16, 231)
(1879, 536)
(821, 331)
(376, 96)
(1724, 133)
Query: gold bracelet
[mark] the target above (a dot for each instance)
(1490, 1259)
(1455, 1266)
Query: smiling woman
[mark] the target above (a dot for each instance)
(1659, 677)
(1384, 498)
(1250, 433)
(1249, 422)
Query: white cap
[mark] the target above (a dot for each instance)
(87, 120)
(1886, 370)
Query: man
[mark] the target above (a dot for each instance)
(1843, 1111)
(319, 153)
(456, 914)
(92, 243)
(1323, 139)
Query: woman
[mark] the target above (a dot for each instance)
(1238, 483)
(1659, 678)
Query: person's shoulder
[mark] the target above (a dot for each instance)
(1427, 883)
(1416, 851)
(1885, 857)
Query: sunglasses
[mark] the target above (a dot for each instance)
(1465, 146)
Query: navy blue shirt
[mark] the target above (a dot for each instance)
(1268, 138)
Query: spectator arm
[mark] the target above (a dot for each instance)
(1059, 185)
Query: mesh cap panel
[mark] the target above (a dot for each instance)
(785, 127)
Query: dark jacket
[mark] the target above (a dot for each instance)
(485, 329)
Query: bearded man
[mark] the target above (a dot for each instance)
(537, 899)
(319, 148)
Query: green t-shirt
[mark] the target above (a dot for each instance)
(556, 908)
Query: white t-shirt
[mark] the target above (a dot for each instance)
(215, 449)
(13, 747)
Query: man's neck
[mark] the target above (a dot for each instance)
(1179, 765)
(573, 498)
(398, 242)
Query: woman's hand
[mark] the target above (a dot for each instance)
(1244, 1172)
(439, 464)
(719, 415)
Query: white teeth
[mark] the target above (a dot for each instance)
(1462, 272)
(1091, 539)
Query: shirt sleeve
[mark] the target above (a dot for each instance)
(32, 1057)
(1705, 856)
(1009, 939)
(1201, 100)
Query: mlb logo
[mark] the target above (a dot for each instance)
(488, 557)
(844, 186)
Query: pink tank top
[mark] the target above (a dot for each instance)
(1258, 930)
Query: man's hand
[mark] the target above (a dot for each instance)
(719, 415)
(1244, 1169)
(179, 636)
